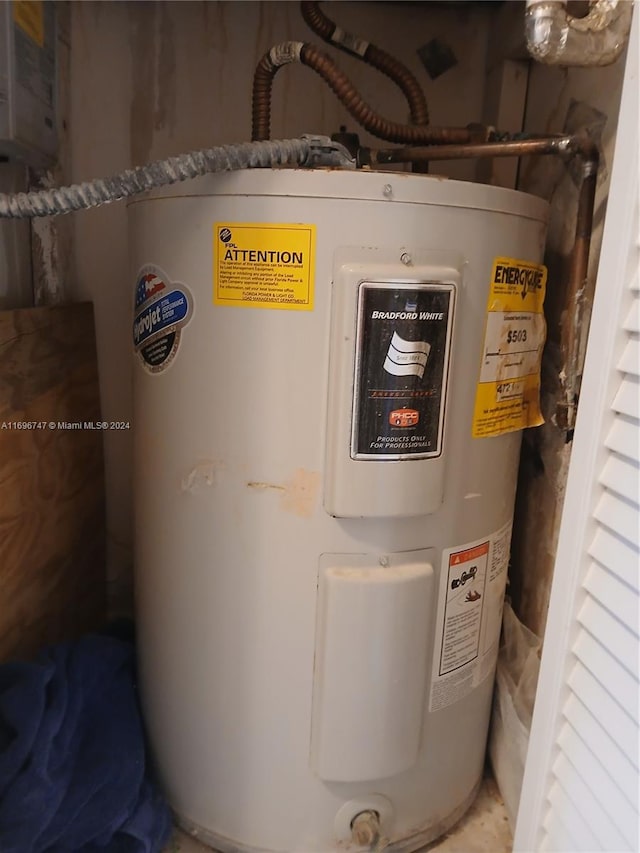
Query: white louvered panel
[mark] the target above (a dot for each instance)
(615, 768)
(627, 399)
(559, 835)
(603, 666)
(632, 320)
(573, 823)
(581, 784)
(623, 438)
(599, 782)
(621, 475)
(618, 515)
(608, 630)
(615, 554)
(615, 595)
(558, 838)
(630, 359)
(622, 728)
(599, 822)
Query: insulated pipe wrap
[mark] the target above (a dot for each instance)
(555, 37)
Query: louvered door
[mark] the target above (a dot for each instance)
(580, 791)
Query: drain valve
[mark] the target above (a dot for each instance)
(366, 832)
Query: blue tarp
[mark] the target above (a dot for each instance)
(74, 767)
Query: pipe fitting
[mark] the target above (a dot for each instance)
(556, 38)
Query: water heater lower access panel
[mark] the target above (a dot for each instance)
(373, 628)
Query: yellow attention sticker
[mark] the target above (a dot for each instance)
(264, 265)
(29, 16)
(508, 394)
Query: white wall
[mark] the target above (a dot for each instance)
(153, 79)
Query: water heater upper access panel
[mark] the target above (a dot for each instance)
(391, 341)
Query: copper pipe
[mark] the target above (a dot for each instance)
(576, 302)
(374, 56)
(340, 84)
(561, 146)
(566, 147)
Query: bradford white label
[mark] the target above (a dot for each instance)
(402, 359)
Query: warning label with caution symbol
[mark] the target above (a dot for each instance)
(472, 584)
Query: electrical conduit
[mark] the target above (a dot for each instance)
(307, 151)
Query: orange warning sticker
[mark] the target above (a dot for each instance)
(469, 554)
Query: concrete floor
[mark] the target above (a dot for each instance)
(484, 829)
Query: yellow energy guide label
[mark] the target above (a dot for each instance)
(264, 265)
(508, 393)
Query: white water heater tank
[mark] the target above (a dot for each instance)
(332, 371)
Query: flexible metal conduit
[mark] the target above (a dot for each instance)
(313, 57)
(565, 147)
(374, 56)
(306, 151)
(557, 38)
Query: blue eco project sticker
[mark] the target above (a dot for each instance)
(162, 308)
